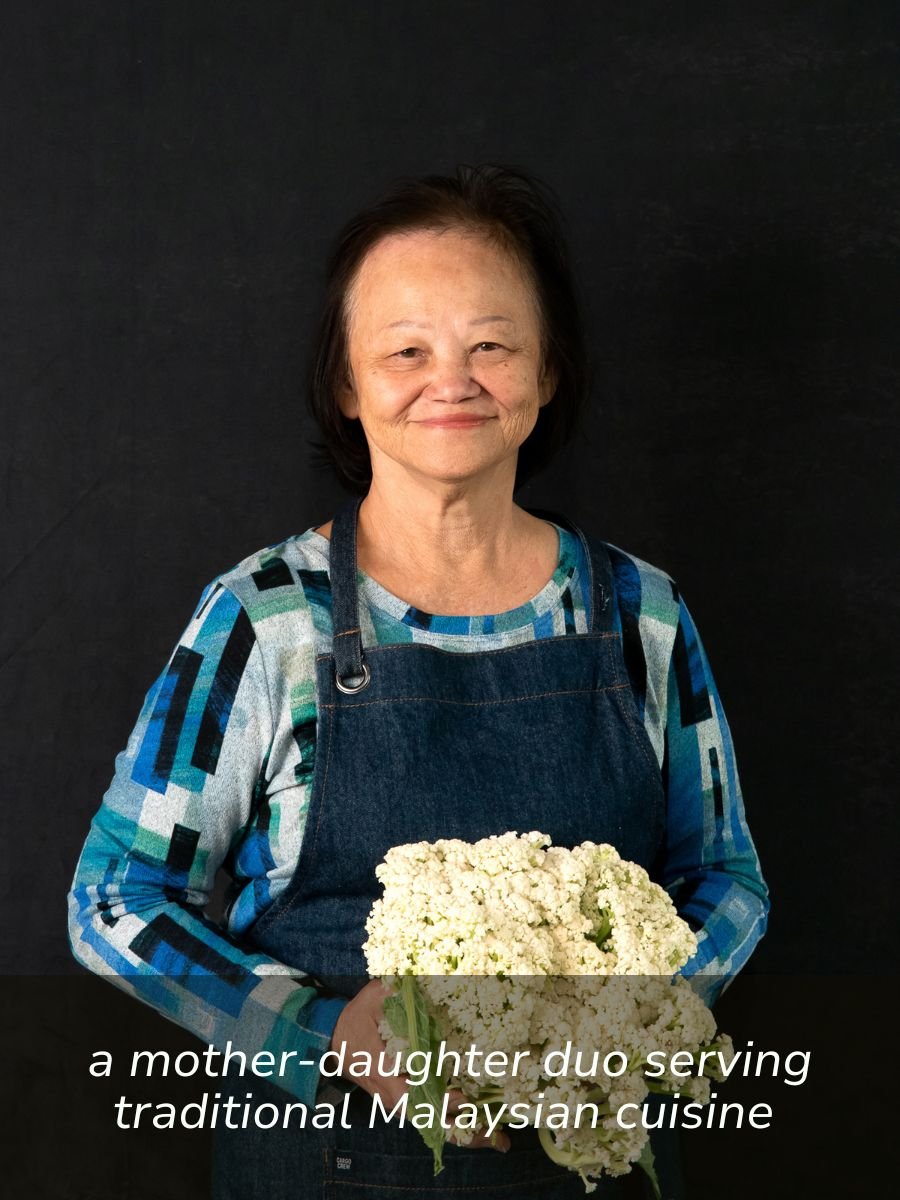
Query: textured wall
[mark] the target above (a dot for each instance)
(171, 176)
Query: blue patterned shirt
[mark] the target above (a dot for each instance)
(219, 767)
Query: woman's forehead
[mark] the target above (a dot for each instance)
(451, 242)
(453, 264)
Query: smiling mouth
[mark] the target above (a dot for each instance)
(454, 422)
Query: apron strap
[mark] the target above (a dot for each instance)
(350, 671)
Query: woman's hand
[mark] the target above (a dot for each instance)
(357, 1028)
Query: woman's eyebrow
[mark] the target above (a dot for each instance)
(426, 325)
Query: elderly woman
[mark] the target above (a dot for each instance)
(436, 662)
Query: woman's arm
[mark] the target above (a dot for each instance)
(712, 870)
(196, 768)
(710, 866)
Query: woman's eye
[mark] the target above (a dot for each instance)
(408, 352)
(488, 346)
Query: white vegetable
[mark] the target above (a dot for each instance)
(521, 945)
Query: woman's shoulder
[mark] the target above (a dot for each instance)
(643, 592)
(287, 576)
(649, 616)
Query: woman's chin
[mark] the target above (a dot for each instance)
(475, 471)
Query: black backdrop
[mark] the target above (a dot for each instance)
(171, 175)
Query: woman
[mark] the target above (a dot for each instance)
(438, 662)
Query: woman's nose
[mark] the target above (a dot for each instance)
(450, 382)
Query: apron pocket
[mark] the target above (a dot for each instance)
(362, 1174)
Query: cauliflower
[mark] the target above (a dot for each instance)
(514, 946)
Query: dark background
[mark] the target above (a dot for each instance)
(171, 177)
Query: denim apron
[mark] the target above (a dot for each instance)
(415, 743)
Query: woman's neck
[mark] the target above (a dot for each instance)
(460, 550)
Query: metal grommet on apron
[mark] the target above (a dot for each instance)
(422, 743)
(351, 684)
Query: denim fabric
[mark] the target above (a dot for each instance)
(377, 1164)
(547, 736)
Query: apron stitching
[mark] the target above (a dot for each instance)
(637, 726)
(641, 737)
(614, 687)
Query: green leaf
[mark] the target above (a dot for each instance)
(645, 1162)
(395, 1013)
(407, 1014)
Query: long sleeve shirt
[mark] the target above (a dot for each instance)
(218, 772)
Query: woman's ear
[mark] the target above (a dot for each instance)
(547, 384)
(347, 401)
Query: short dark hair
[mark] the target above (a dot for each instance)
(507, 205)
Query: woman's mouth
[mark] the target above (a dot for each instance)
(454, 422)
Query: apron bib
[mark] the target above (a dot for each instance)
(415, 743)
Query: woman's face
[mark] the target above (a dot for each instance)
(445, 355)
